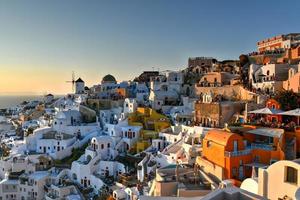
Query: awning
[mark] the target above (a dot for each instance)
(257, 165)
(269, 132)
(266, 111)
(295, 112)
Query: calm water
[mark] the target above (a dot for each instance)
(12, 100)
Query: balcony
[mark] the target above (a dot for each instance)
(266, 147)
(237, 153)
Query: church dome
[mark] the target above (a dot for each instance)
(109, 78)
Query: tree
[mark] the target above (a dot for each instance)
(288, 99)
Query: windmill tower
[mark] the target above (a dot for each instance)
(72, 81)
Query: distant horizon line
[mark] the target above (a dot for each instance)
(28, 94)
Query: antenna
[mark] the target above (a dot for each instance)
(72, 81)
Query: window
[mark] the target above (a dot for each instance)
(108, 145)
(291, 175)
(102, 146)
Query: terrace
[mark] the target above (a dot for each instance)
(266, 139)
(186, 176)
(57, 136)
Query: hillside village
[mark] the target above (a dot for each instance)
(210, 130)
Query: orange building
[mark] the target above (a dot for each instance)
(295, 53)
(278, 42)
(273, 104)
(227, 155)
(122, 92)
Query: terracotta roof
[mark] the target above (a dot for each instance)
(218, 136)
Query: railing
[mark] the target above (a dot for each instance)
(262, 146)
(237, 153)
(249, 149)
(52, 196)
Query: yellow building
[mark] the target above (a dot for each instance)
(151, 121)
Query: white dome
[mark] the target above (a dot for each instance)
(60, 115)
(250, 185)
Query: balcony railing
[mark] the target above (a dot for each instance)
(237, 153)
(266, 147)
(247, 151)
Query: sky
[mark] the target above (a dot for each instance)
(42, 42)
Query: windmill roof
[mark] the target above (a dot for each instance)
(79, 80)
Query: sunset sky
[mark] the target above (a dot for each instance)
(41, 42)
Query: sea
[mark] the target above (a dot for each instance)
(7, 101)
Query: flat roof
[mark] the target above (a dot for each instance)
(39, 175)
(255, 164)
(52, 135)
(9, 181)
(269, 132)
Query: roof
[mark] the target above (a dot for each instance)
(9, 181)
(266, 111)
(255, 164)
(39, 175)
(296, 161)
(52, 135)
(219, 136)
(79, 80)
(103, 138)
(67, 114)
(295, 112)
(269, 132)
(109, 78)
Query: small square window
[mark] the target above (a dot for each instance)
(291, 175)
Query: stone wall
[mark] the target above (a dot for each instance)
(236, 92)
